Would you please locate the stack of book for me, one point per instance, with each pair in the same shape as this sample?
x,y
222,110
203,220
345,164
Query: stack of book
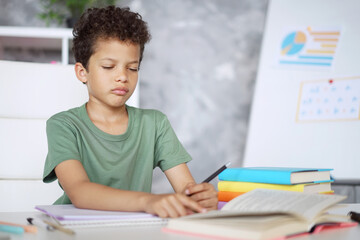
x,y
236,181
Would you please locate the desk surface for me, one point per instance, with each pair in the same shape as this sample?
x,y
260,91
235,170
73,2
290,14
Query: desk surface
x,y
152,232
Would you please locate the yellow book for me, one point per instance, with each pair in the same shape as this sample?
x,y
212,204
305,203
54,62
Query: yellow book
x,y
230,186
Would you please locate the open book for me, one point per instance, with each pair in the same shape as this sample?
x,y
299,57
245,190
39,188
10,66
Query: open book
x,y
72,217
262,214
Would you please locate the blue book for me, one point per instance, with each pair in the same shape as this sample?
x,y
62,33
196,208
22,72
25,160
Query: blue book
x,y
276,175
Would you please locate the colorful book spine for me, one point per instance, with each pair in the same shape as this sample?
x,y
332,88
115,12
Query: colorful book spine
x,y
248,186
236,181
274,175
227,196
221,204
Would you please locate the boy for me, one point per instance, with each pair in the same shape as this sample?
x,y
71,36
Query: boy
x,y
103,153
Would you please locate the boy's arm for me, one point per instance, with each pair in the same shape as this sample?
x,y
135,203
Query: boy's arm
x,y
182,182
85,194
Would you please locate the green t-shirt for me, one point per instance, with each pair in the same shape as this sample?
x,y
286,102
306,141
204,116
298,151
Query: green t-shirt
x,y
123,161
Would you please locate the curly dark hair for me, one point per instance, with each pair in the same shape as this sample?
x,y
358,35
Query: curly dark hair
x,y
106,23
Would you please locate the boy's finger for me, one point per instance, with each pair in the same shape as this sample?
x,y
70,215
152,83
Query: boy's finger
x,y
199,196
178,207
189,211
196,188
209,204
191,204
162,213
170,210
189,185
204,195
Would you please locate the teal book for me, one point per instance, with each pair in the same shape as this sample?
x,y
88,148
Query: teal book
x,y
276,175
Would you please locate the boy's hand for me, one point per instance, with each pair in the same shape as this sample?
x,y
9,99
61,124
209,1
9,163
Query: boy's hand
x,y
203,193
171,205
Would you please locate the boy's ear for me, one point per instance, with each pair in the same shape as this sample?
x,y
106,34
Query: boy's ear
x,y
81,72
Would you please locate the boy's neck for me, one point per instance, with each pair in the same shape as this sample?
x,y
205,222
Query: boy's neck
x,y
110,120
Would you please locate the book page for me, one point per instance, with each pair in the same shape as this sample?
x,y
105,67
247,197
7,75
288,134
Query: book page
x,y
303,205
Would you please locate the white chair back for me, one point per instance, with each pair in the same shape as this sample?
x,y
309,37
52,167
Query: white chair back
x,y
29,94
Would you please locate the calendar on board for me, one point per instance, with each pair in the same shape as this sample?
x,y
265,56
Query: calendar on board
x,y
329,100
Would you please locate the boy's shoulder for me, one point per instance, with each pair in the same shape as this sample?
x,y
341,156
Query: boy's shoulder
x,y
68,114
147,112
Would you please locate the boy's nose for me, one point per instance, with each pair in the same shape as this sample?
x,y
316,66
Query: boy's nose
x,y
121,76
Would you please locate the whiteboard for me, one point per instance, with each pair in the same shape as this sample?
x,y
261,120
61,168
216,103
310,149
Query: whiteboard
x,y
305,110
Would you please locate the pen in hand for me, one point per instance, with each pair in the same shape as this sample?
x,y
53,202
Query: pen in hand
x,y
217,172
211,194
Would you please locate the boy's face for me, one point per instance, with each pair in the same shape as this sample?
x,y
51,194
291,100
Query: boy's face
x,y
112,72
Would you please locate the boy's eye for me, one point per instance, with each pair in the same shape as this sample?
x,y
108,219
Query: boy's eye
x,y
134,69
107,67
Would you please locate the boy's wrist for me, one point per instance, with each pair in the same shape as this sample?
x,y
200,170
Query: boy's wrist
x,y
144,201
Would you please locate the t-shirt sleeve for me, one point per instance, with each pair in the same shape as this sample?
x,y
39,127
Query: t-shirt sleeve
x,y
62,145
169,152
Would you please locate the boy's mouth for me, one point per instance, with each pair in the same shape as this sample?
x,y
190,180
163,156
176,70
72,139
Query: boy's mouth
x,y
121,91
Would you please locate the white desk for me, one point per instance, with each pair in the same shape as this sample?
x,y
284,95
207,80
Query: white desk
x,y
151,232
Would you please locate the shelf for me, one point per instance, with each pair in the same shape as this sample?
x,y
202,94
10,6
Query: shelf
x,y
37,37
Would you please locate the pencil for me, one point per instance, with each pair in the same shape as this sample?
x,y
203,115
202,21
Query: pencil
x,y
212,176
60,228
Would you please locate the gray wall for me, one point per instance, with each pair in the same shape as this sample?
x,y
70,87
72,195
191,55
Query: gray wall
x,y
199,69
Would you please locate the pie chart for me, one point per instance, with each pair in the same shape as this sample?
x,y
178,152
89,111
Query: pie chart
x,y
293,43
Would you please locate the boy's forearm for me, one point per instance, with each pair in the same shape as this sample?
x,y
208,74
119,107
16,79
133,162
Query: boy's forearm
x,y
96,196
180,177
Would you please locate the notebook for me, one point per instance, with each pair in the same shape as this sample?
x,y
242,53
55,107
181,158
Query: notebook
x,y
70,216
